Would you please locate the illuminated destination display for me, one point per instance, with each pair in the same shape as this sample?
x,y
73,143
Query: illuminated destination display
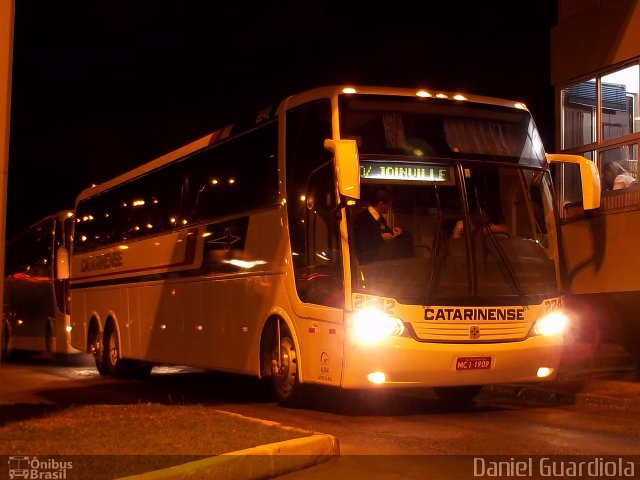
x,y
416,172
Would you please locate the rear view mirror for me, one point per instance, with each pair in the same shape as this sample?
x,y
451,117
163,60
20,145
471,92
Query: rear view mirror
x,y
589,177
347,166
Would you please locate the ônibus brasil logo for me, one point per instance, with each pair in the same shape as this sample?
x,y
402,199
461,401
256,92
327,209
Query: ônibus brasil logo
x,y
35,468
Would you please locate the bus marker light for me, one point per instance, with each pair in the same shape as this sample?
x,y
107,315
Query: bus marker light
x,y
68,328
376,377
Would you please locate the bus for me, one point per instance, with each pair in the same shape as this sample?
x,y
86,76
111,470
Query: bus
x,y
36,290
237,252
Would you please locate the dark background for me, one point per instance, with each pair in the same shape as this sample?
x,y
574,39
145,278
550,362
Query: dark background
x,y
101,87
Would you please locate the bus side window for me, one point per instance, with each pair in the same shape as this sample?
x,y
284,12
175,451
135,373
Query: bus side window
x,y
313,229
323,281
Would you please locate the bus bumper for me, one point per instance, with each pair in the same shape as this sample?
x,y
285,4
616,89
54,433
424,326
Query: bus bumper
x,y
405,362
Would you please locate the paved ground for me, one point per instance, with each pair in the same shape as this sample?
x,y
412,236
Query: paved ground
x,y
604,377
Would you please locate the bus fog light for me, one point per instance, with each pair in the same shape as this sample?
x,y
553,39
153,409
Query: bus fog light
x,y
376,377
370,325
544,372
551,324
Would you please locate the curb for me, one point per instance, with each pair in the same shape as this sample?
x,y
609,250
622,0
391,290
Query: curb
x,y
264,461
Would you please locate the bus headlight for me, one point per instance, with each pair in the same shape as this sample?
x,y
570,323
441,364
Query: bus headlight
x,y
370,325
551,324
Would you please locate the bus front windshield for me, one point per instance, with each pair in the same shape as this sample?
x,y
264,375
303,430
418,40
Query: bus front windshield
x,y
454,226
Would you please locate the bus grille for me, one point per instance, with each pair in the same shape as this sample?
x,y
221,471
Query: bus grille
x,y
469,332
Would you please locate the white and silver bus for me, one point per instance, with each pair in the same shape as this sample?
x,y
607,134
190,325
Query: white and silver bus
x,y
36,289
238,252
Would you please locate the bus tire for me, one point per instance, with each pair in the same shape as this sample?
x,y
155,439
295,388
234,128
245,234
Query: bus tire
x,y
113,363
458,395
96,348
284,371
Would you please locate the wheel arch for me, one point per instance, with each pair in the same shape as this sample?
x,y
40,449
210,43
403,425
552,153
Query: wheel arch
x,y
267,335
95,327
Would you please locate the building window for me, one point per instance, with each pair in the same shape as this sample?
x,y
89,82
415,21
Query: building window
x,y
600,119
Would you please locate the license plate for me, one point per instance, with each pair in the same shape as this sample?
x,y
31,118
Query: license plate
x,y
473,363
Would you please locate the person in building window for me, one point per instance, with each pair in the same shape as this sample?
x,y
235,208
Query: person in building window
x,y
371,228
615,177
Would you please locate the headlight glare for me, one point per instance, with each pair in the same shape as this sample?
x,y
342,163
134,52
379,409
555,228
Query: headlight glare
x,y
551,324
370,325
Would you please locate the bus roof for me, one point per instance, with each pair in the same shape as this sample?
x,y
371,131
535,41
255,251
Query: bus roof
x,y
267,114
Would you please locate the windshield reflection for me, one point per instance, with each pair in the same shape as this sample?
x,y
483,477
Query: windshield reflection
x,y
479,235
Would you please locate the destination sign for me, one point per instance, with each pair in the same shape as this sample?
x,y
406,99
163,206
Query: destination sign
x,y
404,171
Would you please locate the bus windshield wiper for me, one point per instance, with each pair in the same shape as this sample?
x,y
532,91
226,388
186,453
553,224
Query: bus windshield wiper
x,y
506,267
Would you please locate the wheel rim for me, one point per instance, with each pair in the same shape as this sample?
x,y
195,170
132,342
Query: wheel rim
x,y
284,376
113,349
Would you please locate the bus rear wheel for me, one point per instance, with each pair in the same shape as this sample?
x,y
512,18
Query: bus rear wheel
x,y
96,348
284,371
114,364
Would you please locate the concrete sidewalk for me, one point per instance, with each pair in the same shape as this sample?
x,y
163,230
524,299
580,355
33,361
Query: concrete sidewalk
x,y
603,376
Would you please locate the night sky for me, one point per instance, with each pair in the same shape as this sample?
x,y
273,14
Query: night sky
x,y
101,87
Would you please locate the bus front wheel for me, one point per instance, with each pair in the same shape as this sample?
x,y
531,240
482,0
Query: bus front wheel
x,y
284,371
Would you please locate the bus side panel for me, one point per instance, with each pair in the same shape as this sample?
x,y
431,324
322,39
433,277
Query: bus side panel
x,y
223,342
79,320
168,317
321,350
321,335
